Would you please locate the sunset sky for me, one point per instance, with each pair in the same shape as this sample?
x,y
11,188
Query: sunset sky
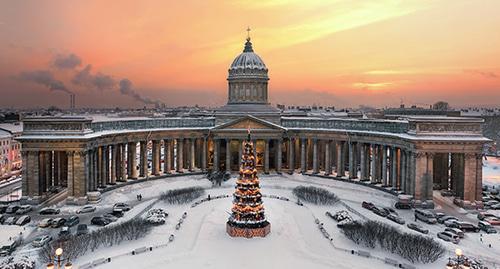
x,y
342,53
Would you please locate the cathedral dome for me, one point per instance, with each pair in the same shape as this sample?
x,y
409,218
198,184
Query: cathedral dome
x,y
247,78
248,62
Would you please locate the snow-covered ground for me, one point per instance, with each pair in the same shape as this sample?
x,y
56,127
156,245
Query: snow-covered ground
x,y
294,242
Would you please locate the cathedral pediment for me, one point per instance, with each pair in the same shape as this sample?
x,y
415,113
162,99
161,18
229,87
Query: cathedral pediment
x,y
249,122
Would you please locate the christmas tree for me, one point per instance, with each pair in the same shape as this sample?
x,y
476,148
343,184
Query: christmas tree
x,y
247,214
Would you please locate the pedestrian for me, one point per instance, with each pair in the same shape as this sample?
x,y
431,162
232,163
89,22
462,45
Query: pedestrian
x,y
209,197
415,218
137,197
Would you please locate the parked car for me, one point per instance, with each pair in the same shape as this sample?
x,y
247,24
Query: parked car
x,y
492,220
10,247
110,217
65,231
45,223
446,218
3,208
117,212
389,210
485,226
495,206
438,215
72,221
367,205
464,226
82,229
10,221
122,206
41,241
417,227
99,221
491,204
23,220
49,211
425,216
379,212
2,218
396,218
86,209
58,222
12,209
482,215
450,237
24,209
456,231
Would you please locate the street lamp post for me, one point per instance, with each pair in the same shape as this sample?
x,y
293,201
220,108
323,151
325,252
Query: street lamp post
x,y
460,262
58,260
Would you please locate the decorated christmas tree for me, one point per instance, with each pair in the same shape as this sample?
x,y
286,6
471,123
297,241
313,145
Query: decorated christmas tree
x,y
247,214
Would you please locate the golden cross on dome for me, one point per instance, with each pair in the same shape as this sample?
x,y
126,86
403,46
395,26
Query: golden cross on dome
x,y
248,32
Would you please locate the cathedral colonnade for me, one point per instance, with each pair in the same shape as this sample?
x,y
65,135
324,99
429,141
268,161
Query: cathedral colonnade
x,y
410,166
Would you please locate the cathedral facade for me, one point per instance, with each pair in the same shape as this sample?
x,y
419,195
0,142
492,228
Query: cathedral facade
x,y
413,156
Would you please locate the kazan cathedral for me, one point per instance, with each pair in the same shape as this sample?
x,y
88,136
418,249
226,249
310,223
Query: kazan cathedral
x,y
85,156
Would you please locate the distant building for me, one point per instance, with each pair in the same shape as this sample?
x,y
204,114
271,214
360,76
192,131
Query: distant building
x,y
10,150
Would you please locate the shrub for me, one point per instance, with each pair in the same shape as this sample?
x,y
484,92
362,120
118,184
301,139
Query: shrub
x,y
315,195
413,247
75,246
182,196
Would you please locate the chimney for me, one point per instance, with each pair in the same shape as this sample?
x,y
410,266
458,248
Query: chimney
x,y
71,101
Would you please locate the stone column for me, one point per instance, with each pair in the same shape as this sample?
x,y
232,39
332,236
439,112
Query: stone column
x,y
403,172
79,179
362,161
95,164
155,166
204,155
412,172
429,177
122,166
106,163
303,167
266,156
70,188
192,163
143,158
352,166
384,166
102,167
88,170
394,167
373,162
113,163
132,160
328,163
279,156
340,159
216,155
228,155
470,174
180,155
167,157
479,179
291,155
315,156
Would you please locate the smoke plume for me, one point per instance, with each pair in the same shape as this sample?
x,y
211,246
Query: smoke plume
x,y
127,89
45,78
70,61
98,81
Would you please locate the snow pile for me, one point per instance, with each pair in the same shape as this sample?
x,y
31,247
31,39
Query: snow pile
x,y
156,216
18,262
